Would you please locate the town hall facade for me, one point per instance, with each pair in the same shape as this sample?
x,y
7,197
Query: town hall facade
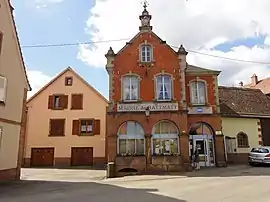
x,y
160,107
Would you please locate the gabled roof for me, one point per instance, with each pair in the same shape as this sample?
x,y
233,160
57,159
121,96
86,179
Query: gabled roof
x,y
263,85
62,73
196,69
243,102
137,35
18,45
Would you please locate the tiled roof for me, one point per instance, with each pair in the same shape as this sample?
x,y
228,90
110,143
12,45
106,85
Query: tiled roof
x,y
263,85
239,101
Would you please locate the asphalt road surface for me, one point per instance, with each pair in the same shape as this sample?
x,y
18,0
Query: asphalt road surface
x,y
233,184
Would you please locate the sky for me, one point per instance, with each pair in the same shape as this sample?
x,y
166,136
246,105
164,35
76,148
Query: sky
x,y
224,28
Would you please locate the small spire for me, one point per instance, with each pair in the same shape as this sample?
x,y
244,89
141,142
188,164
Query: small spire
x,y
145,18
182,50
110,52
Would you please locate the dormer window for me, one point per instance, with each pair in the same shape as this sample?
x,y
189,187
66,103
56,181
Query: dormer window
x,y
146,53
130,88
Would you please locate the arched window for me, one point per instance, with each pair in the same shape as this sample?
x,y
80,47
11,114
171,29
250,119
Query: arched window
x,y
130,88
198,92
242,140
163,87
131,139
165,138
146,53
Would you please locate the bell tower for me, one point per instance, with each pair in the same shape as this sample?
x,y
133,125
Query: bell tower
x,y
145,19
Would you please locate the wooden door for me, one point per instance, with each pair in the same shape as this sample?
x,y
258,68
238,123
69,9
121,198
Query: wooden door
x,y
82,156
42,157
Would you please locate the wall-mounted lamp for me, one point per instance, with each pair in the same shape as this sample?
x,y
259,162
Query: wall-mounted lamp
x,y
147,112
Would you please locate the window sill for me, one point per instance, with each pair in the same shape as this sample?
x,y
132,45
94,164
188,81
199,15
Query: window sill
x,y
170,100
199,105
63,135
164,155
131,155
243,147
60,108
76,108
86,134
130,101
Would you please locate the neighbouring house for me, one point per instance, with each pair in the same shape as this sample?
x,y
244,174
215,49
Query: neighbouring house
x,y
264,86
160,107
242,110
13,91
65,124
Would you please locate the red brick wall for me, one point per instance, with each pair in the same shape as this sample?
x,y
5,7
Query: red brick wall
x,y
165,59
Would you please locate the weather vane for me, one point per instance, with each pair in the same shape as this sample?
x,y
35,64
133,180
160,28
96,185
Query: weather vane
x,y
145,4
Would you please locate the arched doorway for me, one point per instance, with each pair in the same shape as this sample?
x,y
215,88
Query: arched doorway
x,y
201,135
131,140
165,138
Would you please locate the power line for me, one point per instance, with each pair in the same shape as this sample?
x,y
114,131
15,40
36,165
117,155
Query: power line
x,y
117,40
72,44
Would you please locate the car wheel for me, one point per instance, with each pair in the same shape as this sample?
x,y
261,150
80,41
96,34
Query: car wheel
x,y
251,164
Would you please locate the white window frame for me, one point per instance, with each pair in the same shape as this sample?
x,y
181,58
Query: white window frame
x,y
131,137
3,91
163,86
129,78
164,136
195,84
146,53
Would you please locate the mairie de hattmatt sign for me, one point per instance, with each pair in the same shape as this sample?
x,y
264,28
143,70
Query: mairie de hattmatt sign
x,y
139,107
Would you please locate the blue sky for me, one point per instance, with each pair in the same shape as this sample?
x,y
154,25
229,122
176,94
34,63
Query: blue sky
x,y
56,24
65,22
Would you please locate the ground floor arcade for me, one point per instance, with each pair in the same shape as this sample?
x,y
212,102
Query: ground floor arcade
x,y
164,142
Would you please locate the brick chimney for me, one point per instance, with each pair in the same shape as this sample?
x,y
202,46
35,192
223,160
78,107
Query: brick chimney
x,y
254,80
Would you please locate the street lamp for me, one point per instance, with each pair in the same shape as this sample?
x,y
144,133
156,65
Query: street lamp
x,y
147,112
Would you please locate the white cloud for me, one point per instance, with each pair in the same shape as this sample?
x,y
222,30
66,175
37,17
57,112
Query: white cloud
x,y
44,3
198,25
37,80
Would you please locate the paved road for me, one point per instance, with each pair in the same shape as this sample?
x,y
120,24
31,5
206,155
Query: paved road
x,y
235,184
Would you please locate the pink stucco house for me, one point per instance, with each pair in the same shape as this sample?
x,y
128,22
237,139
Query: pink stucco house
x,y
65,124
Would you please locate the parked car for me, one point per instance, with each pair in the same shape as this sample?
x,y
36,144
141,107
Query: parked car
x,y
259,155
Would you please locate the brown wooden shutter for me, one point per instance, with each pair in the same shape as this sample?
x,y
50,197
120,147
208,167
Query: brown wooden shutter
x,y
64,101
75,127
77,101
57,127
50,102
97,127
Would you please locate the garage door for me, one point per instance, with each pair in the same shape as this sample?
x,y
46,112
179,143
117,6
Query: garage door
x,y
82,156
42,157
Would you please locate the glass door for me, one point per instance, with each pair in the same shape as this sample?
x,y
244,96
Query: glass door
x,y
203,148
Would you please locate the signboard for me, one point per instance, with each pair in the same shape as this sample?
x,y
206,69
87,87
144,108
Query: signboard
x,y
140,107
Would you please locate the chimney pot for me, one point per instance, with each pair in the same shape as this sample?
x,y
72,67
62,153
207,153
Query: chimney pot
x,y
254,80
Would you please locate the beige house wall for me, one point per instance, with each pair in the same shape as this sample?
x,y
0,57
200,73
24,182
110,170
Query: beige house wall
x,y
39,115
12,68
232,126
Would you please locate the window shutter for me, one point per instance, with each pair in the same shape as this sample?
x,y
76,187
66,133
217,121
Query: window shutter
x,y
50,102
57,127
77,101
97,127
64,101
76,127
